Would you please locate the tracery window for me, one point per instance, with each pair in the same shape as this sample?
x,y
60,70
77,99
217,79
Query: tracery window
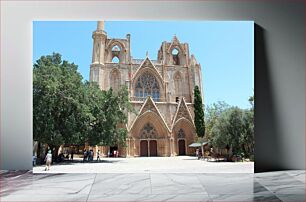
x,y
147,85
148,131
115,59
181,134
116,48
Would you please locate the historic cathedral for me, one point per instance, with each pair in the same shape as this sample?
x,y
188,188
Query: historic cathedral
x,y
160,90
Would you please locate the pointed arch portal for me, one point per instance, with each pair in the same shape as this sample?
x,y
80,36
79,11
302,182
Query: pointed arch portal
x,y
148,144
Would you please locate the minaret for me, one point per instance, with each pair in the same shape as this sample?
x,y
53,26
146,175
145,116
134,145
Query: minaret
x,y
99,38
98,54
100,26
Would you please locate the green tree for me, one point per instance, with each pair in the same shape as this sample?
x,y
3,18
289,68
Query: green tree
x,y
110,111
58,115
212,113
67,110
247,139
247,136
227,129
198,113
232,128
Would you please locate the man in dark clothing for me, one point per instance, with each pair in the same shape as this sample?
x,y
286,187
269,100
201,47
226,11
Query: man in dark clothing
x,y
85,155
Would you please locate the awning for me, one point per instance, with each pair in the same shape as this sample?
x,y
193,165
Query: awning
x,y
197,144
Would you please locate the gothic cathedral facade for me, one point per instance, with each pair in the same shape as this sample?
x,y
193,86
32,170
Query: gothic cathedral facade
x,y
160,90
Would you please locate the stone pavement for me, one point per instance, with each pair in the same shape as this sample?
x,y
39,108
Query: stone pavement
x,y
273,186
178,164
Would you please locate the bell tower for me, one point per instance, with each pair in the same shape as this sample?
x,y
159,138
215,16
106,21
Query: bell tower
x,y
98,53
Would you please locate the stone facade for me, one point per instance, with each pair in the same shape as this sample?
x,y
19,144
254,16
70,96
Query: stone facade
x,y
160,90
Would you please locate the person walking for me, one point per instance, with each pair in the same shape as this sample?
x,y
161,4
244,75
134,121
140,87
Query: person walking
x,y
98,155
48,160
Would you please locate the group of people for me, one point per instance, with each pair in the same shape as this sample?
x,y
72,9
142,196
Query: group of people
x,y
63,157
89,155
115,153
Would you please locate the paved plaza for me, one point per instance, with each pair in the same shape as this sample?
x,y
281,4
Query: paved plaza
x,y
275,186
155,179
178,164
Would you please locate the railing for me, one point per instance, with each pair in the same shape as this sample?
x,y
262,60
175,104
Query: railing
x,y
139,61
142,99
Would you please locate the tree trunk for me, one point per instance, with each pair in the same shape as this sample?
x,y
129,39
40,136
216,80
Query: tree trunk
x,y
38,157
56,148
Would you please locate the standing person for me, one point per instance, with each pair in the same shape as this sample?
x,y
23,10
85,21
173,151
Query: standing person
x,y
48,160
88,155
71,157
84,155
92,155
114,153
34,160
98,155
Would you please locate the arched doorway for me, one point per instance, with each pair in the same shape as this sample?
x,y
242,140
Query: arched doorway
x,y
153,147
143,148
148,146
182,148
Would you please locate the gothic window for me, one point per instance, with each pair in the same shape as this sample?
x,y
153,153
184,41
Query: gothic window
x,y
175,56
147,85
115,59
148,131
115,79
178,84
181,134
116,48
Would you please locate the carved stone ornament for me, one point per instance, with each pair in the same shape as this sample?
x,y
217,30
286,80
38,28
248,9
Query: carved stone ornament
x,y
148,132
181,134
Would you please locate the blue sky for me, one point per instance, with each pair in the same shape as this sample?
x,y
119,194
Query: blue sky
x,y
225,49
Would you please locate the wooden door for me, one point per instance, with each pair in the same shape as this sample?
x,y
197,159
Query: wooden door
x,y
182,148
143,148
153,148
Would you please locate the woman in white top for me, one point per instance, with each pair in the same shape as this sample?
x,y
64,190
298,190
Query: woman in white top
x,y
48,160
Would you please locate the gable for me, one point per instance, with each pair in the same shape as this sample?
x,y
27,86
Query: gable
x,y
176,44
147,63
182,112
149,106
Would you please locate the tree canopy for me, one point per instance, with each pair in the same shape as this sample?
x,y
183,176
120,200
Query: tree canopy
x,y
67,110
231,128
